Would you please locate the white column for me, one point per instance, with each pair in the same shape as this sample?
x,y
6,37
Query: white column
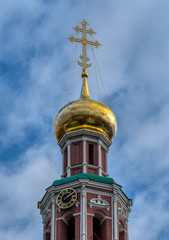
x,y
115,216
83,225
53,222
68,160
100,159
84,155
62,163
127,225
112,217
43,220
106,170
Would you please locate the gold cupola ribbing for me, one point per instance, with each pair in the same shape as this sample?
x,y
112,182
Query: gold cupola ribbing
x,y
85,112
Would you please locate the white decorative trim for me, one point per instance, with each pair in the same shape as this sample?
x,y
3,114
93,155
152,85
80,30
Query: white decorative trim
x,y
83,228
55,221
77,204
100,159
90,214
63,219
46,215
63,163
87,165
108,218
99,202
115,216
76,214
81,132
58,208
68,160
106,169
112,209
84,155
99,188
48,229
53,199
70,141
127,213
122,214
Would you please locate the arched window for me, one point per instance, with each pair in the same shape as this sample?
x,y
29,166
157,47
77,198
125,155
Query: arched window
x,y
97,225
47,236
69,221
71,229
96,229
121,231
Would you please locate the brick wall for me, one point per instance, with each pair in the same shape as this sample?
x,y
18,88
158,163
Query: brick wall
x,y
61,233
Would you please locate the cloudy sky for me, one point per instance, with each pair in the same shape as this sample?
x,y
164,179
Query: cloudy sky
x,y
35,58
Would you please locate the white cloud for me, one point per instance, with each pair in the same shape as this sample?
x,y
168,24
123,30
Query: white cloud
x,y
134,66
150,217
22,186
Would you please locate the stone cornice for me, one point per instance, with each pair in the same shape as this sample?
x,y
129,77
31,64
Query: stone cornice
x,y
91,187
83,132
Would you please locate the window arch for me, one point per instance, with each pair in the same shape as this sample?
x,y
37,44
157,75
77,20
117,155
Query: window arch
x,y
97,225
69,219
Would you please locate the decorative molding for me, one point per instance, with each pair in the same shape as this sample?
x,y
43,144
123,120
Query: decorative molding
x,y
77,204
68,160
100,159
46,215
122,214
53,198
99,189
59,210
99,202
83,132
115,215
76,214
83,227
90,214
48,229
53,217
84,154
112,214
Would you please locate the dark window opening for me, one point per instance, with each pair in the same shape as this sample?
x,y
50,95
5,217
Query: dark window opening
x,y
96,229
121,235
71,230
47,236
91,155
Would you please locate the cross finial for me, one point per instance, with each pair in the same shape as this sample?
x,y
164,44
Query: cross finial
x,y
84,41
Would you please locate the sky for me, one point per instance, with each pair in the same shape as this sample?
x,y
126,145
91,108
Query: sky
x,y
35,81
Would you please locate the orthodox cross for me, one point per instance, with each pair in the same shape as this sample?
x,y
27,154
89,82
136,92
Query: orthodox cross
x,y
84,42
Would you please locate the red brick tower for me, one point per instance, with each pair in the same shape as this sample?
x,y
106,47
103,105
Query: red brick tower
x,y
85,204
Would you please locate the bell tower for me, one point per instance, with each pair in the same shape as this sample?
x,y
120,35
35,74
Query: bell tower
x,y
85,204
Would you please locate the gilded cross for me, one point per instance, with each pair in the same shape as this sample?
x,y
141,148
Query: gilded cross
x,y
84,41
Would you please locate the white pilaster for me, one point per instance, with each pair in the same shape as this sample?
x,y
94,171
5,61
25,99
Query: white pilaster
x,y
100,159
84,155
127,225
63,163
43,220
106,170
53,222
112,216
83,225
68,160
115,216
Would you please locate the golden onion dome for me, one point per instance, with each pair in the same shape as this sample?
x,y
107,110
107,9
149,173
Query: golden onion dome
x,y
85,113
